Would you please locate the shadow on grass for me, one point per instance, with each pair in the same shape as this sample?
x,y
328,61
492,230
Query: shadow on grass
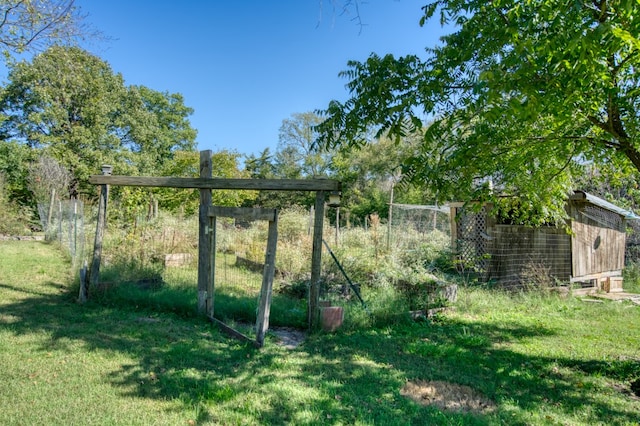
x,y
181,300
331,379
463,354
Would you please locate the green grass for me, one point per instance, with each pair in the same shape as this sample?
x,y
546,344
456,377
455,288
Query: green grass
x,y
542,360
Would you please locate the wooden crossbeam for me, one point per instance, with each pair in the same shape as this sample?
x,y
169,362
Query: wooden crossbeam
x,y
219,183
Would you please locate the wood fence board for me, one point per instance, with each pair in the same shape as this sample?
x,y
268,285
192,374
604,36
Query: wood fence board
x,y
217,183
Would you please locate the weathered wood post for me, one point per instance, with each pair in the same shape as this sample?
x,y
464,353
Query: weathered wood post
x,y
316,261
94,272
204,247
262,322
52,200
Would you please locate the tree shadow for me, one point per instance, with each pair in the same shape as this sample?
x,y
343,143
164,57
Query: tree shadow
x,y
343,377
475,355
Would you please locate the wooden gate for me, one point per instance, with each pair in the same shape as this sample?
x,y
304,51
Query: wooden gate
x,y
205,183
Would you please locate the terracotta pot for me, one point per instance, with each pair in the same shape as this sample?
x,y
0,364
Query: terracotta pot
x,y
332,318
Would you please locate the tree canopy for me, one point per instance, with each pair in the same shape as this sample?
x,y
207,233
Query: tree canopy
x,y
520,95
70,105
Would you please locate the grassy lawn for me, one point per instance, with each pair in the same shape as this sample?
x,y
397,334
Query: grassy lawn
x,y
539,360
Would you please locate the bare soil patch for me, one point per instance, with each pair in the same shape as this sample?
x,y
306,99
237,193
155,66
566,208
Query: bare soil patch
x,y
288,337
447,396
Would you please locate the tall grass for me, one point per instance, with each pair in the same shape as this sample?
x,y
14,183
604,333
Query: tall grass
x,y
391,280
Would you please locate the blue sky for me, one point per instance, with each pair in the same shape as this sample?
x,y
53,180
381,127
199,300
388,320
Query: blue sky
x,y
244,66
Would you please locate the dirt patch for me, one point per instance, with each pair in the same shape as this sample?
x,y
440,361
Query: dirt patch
x,y
447,396
290,338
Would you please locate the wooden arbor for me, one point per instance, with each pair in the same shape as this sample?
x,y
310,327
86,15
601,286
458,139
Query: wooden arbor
x,y
205,183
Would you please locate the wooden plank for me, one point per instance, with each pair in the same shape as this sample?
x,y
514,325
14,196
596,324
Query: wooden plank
x,y
204,247
217,183
316,261
232,332
264,309
596,276
243,213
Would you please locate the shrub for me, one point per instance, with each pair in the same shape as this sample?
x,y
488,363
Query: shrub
x,y
631,275
14,220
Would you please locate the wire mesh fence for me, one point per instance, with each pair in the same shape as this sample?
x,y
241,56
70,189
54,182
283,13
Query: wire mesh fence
x,y
411,226
64,221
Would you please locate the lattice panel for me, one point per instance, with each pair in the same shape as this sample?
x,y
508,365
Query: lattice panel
x,y
472,239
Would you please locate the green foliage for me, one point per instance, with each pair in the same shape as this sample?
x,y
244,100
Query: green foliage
x,y
225,164
631,274
14,162
521,92
297,156
368,176
69,105
434,255
540,360
14,220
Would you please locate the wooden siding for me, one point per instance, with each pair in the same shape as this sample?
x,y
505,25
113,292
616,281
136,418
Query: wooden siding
x,y
507,254
597,245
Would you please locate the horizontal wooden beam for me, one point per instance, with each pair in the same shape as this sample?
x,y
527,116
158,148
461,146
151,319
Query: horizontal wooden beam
x,y
243,213
218,183
233,332
596,276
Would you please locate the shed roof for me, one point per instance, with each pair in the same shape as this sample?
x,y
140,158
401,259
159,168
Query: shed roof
x,y
585,196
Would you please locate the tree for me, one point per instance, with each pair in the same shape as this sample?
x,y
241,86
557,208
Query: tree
x,y
261,166
225,164
157,126
368,176
32,25
71,104
297,156
522,95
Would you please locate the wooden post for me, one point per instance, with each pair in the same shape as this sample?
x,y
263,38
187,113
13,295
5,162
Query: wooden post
x,y
262,322
59,234
50,214
204,256
316,261
94,273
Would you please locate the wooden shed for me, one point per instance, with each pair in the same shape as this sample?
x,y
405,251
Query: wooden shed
x,y
591,256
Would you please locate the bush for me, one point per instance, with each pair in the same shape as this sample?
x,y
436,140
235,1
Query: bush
x,y
392,283
631,275
14,220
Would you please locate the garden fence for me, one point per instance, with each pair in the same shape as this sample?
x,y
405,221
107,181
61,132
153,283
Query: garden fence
x,y
63,221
